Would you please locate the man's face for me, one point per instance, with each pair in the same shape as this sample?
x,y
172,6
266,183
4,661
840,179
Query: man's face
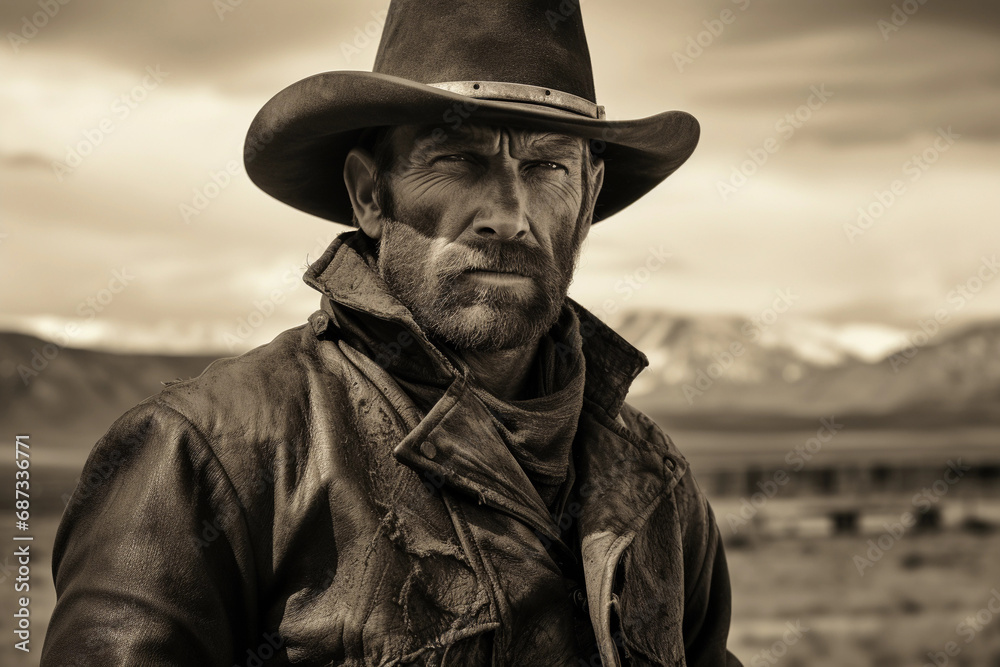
x,y
486,229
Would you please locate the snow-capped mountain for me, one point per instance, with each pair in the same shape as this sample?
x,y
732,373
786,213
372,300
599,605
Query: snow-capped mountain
x,y
729,367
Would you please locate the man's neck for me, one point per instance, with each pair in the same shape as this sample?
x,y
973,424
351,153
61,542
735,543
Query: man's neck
x,y
504,373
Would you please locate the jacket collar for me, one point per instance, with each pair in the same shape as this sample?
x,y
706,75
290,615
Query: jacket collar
x,y
379,325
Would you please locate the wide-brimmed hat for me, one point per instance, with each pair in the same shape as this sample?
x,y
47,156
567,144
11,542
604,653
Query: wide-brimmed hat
x,y
443,63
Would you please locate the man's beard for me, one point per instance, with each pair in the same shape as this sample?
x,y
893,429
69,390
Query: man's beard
x,y
465,313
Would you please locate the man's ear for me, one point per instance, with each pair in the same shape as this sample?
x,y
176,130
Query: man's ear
x,y
359,177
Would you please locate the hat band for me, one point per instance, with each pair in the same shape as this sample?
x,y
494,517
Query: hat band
x,y
520,92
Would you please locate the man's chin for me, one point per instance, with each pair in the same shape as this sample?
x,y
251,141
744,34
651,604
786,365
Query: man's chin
x,y
481,293
485,328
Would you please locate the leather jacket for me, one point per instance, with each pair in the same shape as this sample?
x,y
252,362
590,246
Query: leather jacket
x,y
292,506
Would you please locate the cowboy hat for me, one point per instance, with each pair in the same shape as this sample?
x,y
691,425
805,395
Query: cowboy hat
x,y
441,63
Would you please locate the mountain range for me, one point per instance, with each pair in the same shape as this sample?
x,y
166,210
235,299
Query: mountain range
x,y
705,373
717,373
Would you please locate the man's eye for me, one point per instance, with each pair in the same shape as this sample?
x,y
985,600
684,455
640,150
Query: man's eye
x,y
452,158
546,165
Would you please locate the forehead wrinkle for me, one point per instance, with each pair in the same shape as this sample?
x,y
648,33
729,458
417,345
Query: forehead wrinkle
x,y
467,136
492,138
552,144
552,139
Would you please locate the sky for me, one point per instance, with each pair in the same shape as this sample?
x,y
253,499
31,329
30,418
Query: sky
x,y
848,166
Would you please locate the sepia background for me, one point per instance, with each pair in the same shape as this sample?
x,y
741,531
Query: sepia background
x,y
817,288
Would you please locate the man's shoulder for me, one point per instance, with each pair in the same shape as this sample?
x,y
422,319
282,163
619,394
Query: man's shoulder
x,y
253,400
687,493
246,413
642,425
264,377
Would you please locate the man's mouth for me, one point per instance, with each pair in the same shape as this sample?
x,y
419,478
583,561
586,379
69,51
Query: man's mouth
x,y
496,277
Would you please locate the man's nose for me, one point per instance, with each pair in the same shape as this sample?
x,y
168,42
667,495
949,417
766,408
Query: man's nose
x,y
503,214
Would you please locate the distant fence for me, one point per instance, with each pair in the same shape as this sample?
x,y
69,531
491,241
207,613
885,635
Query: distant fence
x,y
855,498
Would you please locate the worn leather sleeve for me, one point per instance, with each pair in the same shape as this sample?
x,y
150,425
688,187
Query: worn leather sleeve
x,y
708,595
150,562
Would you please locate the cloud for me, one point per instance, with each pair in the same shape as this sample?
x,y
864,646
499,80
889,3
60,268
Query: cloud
x,y
783,228
23,161
879,92
229,45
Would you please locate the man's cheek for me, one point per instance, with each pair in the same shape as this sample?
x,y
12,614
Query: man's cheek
x,y
561,198
426,203
417,221
555,220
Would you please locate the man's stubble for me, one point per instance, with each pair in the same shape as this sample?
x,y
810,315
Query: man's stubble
x,y
463,314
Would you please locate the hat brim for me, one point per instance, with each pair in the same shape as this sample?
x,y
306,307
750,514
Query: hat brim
x,y
296,145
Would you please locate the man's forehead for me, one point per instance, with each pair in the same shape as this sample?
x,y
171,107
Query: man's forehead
x,y
424,138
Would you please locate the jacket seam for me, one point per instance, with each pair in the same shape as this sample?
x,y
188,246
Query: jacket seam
x,y
206,445
675,456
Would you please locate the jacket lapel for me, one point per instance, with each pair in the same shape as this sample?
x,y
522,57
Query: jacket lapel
x,y
457,444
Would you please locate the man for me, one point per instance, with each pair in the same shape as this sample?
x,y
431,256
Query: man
x,y
439,468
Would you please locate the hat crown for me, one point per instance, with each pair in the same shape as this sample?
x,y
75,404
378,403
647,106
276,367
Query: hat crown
x,y
533,42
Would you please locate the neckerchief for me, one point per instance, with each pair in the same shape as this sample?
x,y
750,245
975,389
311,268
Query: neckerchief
x,y
539,431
